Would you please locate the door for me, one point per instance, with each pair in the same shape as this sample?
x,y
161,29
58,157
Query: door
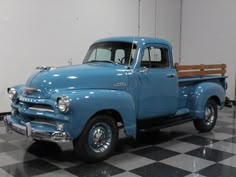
x,y
158,86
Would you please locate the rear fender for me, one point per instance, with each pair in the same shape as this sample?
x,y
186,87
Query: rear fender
x,y
201,93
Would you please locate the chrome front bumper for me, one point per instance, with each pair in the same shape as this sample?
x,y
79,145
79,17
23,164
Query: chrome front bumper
x,y
29,131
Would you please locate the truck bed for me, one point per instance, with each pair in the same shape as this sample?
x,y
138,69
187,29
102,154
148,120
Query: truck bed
x,y
191,76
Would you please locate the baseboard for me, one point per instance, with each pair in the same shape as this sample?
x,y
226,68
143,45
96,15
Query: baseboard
x,y
2,114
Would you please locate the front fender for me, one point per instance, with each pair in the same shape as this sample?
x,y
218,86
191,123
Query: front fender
x,y
19,88
199,95
85,103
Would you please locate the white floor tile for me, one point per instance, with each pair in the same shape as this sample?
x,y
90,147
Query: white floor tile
x,y
128,161
187,162
216,135
178,146
195,175
8,158
58,173
223,146
4,173
126,174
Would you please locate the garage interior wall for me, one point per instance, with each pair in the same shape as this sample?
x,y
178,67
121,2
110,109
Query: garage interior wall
x,y
208,35
36,33
49,33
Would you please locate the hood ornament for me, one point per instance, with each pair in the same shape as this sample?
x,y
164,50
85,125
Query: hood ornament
x,y
45,68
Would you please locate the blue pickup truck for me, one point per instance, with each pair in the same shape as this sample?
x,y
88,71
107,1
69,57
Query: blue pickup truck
x,y
128,82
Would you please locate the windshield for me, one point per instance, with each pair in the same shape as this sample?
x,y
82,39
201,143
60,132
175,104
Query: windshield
x,y
114,52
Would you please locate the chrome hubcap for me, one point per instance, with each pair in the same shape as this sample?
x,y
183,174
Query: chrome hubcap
x,y
100,137
209,115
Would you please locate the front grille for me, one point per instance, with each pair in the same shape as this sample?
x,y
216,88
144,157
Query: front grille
x,y
37,107
42,121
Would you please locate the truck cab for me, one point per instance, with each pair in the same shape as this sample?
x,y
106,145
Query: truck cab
x,y
128,81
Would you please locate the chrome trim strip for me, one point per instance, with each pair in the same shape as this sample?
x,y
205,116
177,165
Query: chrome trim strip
x,y
32,89
28,129
41,109
46,123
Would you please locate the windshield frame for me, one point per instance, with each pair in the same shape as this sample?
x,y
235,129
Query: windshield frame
x,y
130,52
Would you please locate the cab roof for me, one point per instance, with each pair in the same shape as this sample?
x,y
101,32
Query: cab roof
x,y
139,40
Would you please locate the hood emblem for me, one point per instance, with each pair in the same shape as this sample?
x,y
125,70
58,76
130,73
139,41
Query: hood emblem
x,y
45,68
29,91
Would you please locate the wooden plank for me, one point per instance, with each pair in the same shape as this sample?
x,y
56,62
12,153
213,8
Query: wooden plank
x,y
200,73
190,73
195,67
188,67
223,66
215,72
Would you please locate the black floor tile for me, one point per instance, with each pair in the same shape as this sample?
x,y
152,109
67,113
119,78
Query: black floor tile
x,y
95,170
155,153
29,168
157,137
5,147
198,140
218,170
160,170
210,154
44,149
227,130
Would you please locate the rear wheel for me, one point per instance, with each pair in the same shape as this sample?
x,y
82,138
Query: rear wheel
x,y
208,122
98,140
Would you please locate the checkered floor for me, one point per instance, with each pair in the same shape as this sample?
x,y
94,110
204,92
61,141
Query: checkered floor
x,y
179,151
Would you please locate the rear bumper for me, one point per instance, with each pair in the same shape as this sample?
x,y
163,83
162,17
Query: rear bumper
x,y
30,130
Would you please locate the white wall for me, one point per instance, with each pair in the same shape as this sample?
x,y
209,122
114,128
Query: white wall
x,y
168,23
209,35
43,32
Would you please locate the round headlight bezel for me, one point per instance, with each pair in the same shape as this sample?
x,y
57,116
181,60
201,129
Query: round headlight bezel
x,y
11,93
63,104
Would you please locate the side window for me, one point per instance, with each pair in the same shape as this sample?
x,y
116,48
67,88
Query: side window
x,y
155,54
155,58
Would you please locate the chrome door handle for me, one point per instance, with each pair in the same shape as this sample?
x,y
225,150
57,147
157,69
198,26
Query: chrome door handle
x,y
170,75
143,70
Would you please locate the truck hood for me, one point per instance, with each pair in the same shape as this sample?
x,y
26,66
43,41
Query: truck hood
x,y
85,76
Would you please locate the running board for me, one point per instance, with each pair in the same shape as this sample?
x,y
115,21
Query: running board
x,y
160,123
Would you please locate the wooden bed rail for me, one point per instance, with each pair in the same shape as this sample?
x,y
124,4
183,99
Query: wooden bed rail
x,y
200,70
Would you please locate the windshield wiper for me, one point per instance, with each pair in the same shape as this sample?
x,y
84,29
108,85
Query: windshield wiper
x,y
106,61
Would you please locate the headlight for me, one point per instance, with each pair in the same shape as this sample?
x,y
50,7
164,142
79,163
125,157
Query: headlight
x,y
63,104
11,93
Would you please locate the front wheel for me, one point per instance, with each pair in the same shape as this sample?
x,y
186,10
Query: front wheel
x,y
98,140
208,122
